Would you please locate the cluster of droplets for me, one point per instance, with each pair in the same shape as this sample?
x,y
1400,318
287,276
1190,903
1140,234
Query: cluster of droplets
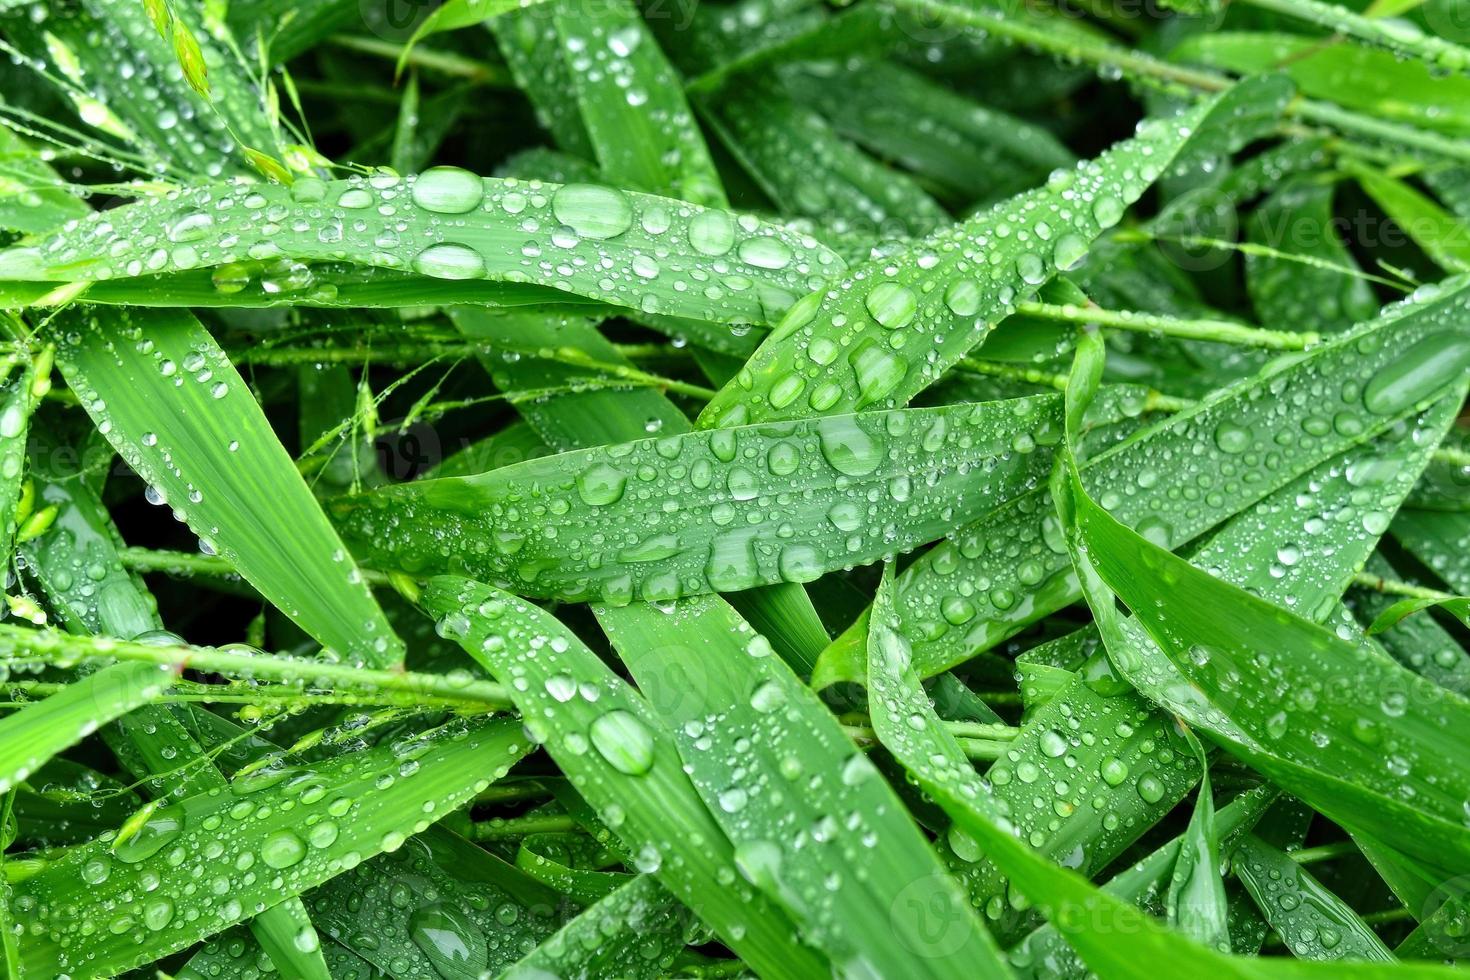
x,y
900,321
721,510
1012,567
653,254
431,904
271,831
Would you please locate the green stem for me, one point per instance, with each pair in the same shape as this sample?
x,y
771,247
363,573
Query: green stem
x,y
980,749
1452,456
501,828
1437,51
1215,331
421,57
58,648
1393,587
1071,46
1324,852
1154,401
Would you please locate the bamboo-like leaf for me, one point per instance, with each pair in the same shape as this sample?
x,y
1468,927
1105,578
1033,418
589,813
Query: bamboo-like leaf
x,y
437,904
889,328
634,932
289,830
748,731
808,169
1445,237
978,152
124,78
33,734
159,387
1195,901
712,511
1367,378
1383,712
1298,219
1314,923
606,738
1352,75
1131,943
640,128
631,250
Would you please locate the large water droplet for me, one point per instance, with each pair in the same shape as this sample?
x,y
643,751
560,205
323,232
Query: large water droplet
x,y
623,741
592,211
448,190
454,945
448,260
1417,373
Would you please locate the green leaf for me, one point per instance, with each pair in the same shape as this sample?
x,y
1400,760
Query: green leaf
x,y
765,755
808,169
640,128
171,403
1444,237
1373,81
1195,900
978,153
33,734
436,904
601,243
887,330
1314,923
1380,728
85,47
1127,943
305,825
634,932
1019,548
606,738
1298,218
712,511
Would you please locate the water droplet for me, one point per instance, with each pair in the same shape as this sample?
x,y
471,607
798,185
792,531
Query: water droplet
x,y
592,211
454,945
448,190
448,260
282,849
623,741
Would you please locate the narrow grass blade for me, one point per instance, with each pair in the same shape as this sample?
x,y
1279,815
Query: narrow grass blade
x,y
713,511
159,387
1045,953
754,740
976,153
607,739
573,420
1347,780
305,826
34,198
627,249
1403,39
1195,900
85,47
634,932
1372,81
849,346
1298,218
80,574
35,733
641,128
1437,539
436,906
1443,236
808,169
1314,923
